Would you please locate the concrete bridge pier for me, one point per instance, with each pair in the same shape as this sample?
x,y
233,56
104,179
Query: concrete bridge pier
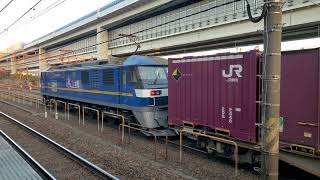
x,y
43,64
13,64
102,44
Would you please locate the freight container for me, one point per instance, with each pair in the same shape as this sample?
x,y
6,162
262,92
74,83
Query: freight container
x,y
300,100
220,94
217,93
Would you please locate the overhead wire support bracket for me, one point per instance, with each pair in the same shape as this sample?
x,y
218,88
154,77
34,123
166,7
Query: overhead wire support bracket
x,y
256,19
133,39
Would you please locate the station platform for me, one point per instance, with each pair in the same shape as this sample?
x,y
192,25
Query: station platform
x,y
12,164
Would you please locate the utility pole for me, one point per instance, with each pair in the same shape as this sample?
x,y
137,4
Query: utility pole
x,y
271,71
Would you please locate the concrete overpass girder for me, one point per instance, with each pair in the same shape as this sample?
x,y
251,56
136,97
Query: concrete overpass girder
x,y
226,31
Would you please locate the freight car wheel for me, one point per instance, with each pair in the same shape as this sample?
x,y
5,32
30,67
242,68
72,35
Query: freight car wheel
x,y
256,162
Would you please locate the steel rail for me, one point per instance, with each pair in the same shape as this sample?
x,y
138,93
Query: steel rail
x,y
41,171
85,163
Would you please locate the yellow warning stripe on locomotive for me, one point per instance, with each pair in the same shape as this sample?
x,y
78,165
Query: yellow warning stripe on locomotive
x,y
90,91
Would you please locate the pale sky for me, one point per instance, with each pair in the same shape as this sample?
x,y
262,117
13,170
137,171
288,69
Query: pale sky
x,y
66,12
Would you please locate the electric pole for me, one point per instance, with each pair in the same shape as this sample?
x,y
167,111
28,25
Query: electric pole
x,y
271,71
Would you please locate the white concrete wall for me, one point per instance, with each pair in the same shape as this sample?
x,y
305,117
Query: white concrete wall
x,y
206,26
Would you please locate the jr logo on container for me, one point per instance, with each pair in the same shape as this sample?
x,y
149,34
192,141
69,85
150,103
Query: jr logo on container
x,y
234,73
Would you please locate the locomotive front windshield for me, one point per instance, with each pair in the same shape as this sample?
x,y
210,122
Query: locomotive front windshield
x,y
149,77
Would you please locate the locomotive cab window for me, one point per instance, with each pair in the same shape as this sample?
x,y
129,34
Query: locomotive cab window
x,y
133,74
149,77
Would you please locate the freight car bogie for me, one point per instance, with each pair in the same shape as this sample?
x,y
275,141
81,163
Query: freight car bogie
x,y
220,144
219,148
301,149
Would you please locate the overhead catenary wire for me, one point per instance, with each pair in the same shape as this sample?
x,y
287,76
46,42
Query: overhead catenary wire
x,y
30,62
20,17
6,6
72,51
46,10
42,12
57,56
153,27
90,35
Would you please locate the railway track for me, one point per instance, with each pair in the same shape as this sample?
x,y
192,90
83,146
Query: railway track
x,y
61,162
173,143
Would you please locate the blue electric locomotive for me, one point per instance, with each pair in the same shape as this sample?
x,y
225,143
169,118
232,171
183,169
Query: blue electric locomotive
x,y
137,88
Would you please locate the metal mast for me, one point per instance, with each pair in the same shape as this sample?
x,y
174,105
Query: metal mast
x,y
271,71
